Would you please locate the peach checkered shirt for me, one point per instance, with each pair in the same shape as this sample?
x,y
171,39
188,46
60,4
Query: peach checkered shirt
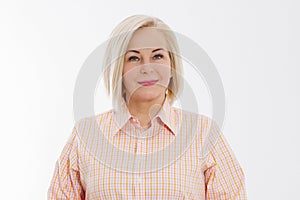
x,y
182,155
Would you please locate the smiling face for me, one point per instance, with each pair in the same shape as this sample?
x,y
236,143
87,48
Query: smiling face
x,y
147,66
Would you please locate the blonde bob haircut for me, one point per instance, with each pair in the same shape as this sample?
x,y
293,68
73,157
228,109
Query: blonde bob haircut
x,y
116,49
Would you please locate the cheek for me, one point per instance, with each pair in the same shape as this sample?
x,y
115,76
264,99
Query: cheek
x,y
126,79
126,68
164,71
129,77
165,75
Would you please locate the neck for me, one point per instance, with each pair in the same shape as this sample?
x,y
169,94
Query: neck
x,y
144,111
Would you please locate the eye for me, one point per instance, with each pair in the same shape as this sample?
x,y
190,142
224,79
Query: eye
x,y
158,56
133,58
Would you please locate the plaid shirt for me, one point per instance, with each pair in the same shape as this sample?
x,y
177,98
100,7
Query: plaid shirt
x,y
182,155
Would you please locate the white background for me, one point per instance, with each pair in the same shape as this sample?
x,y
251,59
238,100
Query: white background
x,y
254,45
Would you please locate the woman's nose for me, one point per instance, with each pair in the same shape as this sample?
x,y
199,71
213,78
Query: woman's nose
x,y
146,68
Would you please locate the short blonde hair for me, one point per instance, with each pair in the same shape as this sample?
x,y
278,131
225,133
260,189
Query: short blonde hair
x,y
117,46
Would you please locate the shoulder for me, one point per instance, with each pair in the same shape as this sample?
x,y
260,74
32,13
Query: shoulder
x,y
93,123
96,118
201,120
206,128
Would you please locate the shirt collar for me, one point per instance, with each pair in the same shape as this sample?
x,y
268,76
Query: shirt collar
x,y
166,114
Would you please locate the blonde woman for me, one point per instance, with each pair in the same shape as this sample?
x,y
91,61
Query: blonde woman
x,y
144,148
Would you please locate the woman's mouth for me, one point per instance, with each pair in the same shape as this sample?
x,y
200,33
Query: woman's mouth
x,y
148,83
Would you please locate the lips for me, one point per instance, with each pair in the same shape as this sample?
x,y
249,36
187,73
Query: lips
x,y
148,83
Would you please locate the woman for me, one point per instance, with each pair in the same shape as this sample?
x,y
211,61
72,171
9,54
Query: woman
x,y
144,148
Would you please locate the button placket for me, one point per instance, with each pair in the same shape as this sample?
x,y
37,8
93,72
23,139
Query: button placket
x,y
140,143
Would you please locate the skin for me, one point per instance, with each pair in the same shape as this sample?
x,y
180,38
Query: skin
x,y
146,59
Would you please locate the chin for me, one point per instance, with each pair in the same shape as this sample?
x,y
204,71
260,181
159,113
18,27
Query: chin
x,y
146,95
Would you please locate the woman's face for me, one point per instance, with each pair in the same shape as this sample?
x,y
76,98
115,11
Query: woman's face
x,y
147,68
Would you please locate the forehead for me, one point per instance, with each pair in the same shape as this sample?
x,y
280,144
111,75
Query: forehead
x,y
147,37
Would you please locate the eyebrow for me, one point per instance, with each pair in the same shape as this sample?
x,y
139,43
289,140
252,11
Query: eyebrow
x,y
135,51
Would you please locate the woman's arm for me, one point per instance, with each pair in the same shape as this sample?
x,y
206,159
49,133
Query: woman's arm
x,y
65,183
224,176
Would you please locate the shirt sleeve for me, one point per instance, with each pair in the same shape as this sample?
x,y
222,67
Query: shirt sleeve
x,y
66,183
224,177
